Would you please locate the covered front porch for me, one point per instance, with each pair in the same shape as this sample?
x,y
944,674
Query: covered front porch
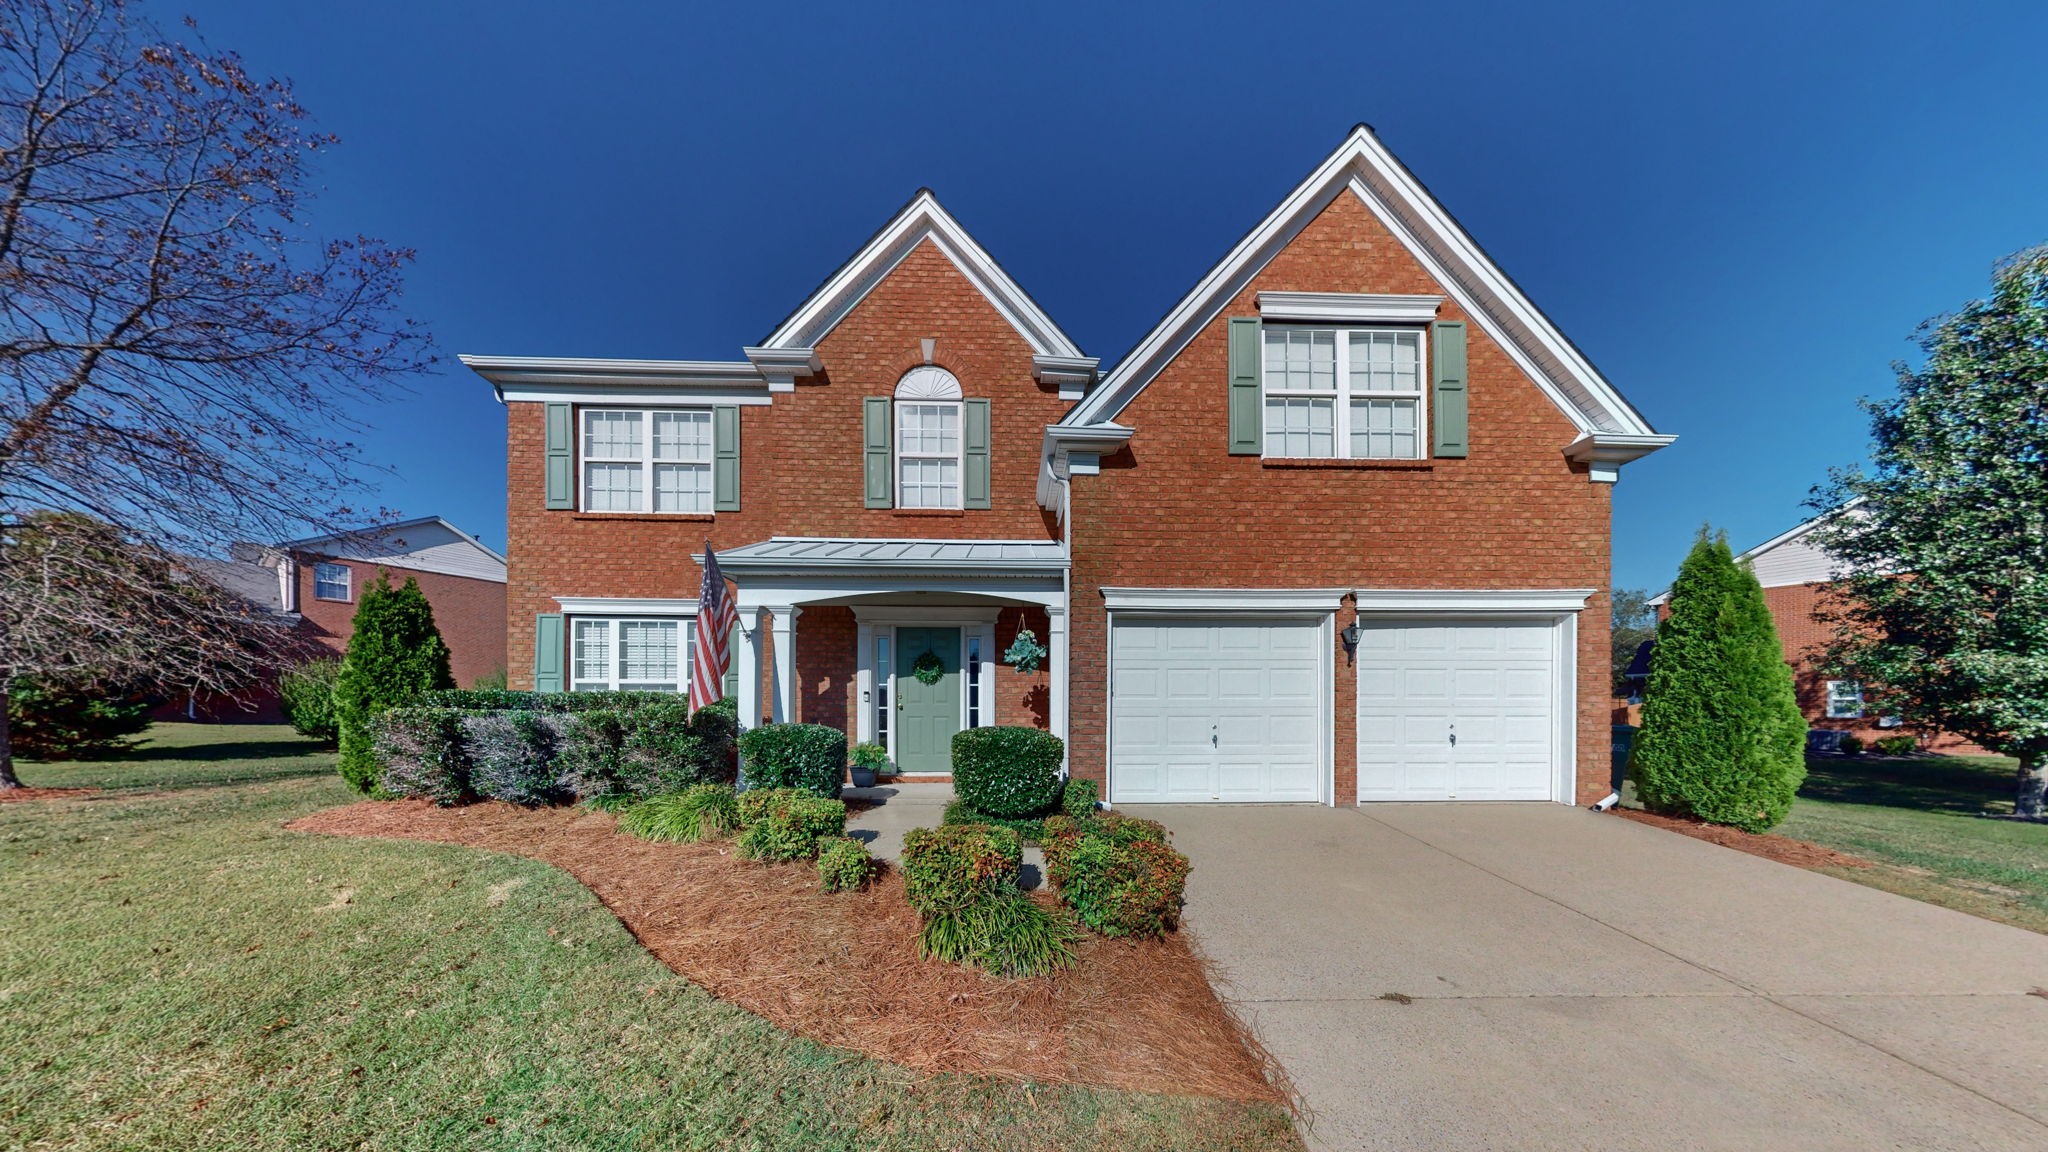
x,y
899,642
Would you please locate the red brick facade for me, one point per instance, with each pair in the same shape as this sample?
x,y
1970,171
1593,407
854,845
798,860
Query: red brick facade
x,y
1175,509
1804,638
469,612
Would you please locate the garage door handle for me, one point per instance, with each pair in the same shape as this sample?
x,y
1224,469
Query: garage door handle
x,y
1454,739
1212,737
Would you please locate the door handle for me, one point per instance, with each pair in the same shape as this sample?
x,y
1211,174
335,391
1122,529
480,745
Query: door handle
x,y
1454,739
1212,737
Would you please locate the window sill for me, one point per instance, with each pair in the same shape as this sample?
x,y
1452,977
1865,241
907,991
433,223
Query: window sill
x,y
332,599
943,513
654,517
1351,465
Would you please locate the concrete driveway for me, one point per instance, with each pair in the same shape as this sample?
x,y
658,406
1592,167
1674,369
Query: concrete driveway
x,y
1580,981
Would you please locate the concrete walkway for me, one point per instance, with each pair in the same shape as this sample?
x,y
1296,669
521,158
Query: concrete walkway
x,y
1577,981
897,808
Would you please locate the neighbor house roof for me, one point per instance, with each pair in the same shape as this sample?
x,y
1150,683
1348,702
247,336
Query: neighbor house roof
x,y
426,544
1787,558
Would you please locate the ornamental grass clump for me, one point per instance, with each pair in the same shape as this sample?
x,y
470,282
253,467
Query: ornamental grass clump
x,y
807,756
962,879
843,864
1011,773
699,812
782,824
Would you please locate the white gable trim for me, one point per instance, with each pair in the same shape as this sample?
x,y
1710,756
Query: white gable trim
x,y
1364,166
1348,307
922,219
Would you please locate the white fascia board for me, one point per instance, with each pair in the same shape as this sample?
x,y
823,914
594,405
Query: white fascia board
x,y
920,220
1361,154
1224,601
1348,307
1469,601
592,381
1062,446
625,606
1606,452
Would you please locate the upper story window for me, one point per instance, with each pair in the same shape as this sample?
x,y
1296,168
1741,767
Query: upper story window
x,y
330,582
1845,700
928,439
646,460
625,655
1343,393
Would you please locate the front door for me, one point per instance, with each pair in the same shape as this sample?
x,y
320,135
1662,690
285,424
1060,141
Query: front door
x,y
927,715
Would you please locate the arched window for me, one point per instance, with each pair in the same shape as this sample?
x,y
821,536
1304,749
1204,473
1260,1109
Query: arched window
x,y
928,440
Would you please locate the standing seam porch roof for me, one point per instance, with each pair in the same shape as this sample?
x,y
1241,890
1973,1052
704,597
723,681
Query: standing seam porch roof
x,y
853,552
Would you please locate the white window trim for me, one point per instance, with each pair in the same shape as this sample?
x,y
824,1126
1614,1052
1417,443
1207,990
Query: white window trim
x,y
645,459
883,620
348,584
1829,701
685,629
958,455
1343,396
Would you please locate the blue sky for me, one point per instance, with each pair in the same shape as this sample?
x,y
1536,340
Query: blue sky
x,y
1740,212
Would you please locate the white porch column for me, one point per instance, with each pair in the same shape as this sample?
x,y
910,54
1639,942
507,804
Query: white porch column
x,y
1056,639
747,660
784,623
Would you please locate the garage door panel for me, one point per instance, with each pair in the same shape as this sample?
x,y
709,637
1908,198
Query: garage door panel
x,y
1241,714
1492,683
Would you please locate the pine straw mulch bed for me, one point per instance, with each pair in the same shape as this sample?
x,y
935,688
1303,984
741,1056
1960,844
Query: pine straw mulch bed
x,y
1784,850
843,969
22,795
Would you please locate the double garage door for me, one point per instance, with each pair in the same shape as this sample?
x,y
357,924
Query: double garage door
x,y
1240,710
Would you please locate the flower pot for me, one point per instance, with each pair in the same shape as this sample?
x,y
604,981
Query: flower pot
x,y
862,777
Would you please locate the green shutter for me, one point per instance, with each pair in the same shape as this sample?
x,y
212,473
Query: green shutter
x,y
547,652
1449,399
876,412
1245,433
725,459
974,485
561,464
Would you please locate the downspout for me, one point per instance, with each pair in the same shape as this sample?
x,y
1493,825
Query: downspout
x,y
1067,635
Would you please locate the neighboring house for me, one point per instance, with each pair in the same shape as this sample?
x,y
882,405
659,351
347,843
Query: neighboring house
x,y
318,581
1336,530
1796,575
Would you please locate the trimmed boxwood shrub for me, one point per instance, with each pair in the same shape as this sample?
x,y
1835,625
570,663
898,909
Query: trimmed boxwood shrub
x,y
807,756
699,812
1008,772
786,823
419,754
843,864
947,869
512,757
1009,934
1079,798
1132,889
647,748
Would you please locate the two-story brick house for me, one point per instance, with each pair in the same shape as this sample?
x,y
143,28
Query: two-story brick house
x,y
1335,530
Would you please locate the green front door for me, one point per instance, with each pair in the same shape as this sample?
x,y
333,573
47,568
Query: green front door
x,y
927,715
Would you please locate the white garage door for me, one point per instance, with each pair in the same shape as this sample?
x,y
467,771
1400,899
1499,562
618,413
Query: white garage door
x,y
1205,710
1452,710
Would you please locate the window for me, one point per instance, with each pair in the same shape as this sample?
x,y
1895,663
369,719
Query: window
x,y
626,655
928,455
974,681
1845,700
883,671
641,461
330,581
1353,393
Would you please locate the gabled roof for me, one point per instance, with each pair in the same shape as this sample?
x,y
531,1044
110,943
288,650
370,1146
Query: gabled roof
x,y
442,547
1802,563
1363,167
920,220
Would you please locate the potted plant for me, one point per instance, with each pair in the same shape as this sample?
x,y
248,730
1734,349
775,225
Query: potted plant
x,y
865,761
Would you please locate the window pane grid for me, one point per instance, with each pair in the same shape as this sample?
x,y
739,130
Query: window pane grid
x,y
928,455
635,461
1355,393
619,655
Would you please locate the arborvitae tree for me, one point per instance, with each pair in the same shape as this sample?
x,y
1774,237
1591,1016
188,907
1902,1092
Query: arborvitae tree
x,y
395,654
1723,738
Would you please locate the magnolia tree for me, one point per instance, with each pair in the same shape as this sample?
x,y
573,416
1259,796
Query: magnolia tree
x,y
180,356
1941,608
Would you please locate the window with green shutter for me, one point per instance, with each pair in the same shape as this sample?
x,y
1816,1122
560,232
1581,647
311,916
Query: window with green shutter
x,y
974,491
1245,434
1452,435
560,456
876,444
547,652
725,459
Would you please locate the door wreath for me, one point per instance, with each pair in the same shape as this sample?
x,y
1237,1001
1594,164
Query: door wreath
x,y
928,668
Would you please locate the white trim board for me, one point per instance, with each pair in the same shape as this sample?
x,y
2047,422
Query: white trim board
x,y
1219,601
1348,307
1461,601
624,606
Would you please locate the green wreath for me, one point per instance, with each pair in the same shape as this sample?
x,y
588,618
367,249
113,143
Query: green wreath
x,y
928,668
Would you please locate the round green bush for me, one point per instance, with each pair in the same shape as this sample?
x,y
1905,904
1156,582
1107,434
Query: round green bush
x,y
1079,797
1008,772
306,697
807,756
945,869
786,823
844,864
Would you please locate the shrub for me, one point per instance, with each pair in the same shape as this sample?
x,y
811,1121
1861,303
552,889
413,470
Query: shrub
x,y
1009,772
1850,745
306,696
646,748
1128,889
49,721
394,655
1898,745
949,868
807,756
873,757
1063,834
699,812
1079,797
961,812
786,823
492,681
844,864
1722,737
419,754
1008,934
512,757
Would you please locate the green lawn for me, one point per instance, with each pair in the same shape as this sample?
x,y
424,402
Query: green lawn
x,y
178,971
1930,824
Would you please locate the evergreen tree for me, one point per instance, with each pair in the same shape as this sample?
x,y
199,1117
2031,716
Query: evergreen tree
x,y
1941,609
395,654
1722,738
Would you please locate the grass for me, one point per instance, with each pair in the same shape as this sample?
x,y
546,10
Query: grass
x,y
1932,826
177,970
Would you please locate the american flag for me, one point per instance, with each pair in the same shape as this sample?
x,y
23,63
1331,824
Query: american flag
x,y
710,656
